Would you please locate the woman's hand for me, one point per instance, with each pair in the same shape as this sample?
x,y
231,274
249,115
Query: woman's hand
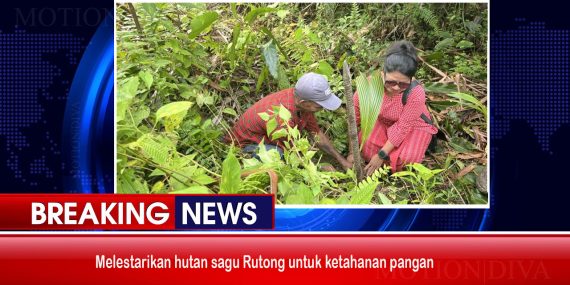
x,y
350,158
375,163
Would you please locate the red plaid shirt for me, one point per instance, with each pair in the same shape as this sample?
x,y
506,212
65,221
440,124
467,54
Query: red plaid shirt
x,y
398,119
251,129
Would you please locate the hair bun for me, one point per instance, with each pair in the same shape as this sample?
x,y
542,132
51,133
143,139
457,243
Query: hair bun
x,y
401,56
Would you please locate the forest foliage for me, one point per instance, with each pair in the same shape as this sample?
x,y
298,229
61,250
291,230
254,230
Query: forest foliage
x,y
187,71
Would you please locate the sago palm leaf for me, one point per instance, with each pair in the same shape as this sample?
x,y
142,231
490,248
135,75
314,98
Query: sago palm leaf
x,y
370,95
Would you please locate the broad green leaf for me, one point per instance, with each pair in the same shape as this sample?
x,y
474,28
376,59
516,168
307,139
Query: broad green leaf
x,y
464,44
343,200
461,145
255,12
271,126
424,172
272,37
161,62
282,13
157,172
434,56
446,43
128,183
307,56
173,108
284,114
122,106
385,200
189,171
271,58
202,22
279,134
437,87
284,187
157,187
473,26
302,195
146,78
295,134
328,201
441,105
283,81
325,68
370,96
231,174
187,94
471,101
129,89
173,113
264,116
420,168
140,114
196,189
403,174
230,111
429,198
261,78
204,99
444,34
203,179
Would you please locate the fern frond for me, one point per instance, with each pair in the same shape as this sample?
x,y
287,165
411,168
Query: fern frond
x,y
354,11
154,151
427,16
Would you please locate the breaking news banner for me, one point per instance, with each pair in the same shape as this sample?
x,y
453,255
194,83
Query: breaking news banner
x,y
395,143
135,212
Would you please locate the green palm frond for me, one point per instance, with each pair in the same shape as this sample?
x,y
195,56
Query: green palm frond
x,y
370,96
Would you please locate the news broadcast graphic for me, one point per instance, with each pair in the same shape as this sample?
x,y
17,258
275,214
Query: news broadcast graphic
x,y
157,142
284,259
178,88
134,212
57,97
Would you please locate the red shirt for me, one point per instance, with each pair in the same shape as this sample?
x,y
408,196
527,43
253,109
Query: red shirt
x,y
251,129
399,119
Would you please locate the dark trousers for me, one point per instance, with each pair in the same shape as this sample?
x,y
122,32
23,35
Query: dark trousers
x,y
252,149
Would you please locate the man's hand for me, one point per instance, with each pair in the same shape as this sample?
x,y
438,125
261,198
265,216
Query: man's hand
x,y
328,168
324,143
375,163
347,164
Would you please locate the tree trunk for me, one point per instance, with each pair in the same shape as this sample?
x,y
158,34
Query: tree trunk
x,y
352,130
135,17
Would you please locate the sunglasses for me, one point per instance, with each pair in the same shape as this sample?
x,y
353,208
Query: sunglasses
x,y
393,83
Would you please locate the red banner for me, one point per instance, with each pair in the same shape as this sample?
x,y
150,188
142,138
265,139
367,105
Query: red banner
x,y
284,259
136,212
85,212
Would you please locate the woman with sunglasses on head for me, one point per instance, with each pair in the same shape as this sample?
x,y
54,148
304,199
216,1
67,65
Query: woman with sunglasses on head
x,y
403,130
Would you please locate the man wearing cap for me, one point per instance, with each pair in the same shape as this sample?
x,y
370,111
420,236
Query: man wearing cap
x,y
311,94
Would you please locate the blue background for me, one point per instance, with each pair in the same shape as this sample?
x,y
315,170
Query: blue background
x,y
56,125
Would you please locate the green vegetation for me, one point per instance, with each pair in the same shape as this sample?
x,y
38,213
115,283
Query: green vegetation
x,y
187,71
